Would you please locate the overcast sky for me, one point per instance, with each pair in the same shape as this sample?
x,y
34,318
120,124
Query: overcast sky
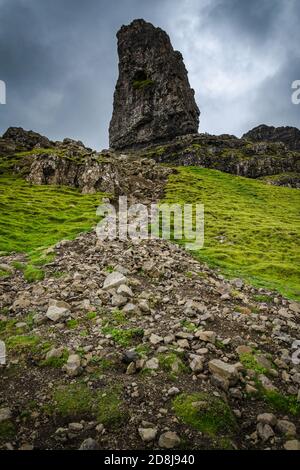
x,y
59,61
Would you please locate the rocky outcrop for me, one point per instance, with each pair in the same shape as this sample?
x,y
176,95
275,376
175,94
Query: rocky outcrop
x,y
290,136
71,164
153,100
22,139
290,180
227,153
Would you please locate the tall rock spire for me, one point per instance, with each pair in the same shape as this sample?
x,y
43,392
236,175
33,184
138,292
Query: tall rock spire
x,y
153,100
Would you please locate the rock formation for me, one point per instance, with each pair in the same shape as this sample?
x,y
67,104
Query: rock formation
x,y
229,154
25,139
290,136
153,100
70,163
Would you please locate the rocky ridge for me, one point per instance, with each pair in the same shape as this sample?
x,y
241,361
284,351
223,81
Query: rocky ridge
x,y
70,163
290,136
232,155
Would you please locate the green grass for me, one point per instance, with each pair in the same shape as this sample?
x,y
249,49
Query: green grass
x,y
259,224
204,413
263,298
34,218
32,274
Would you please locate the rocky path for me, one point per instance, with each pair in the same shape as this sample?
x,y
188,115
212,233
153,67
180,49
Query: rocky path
x,y
134,346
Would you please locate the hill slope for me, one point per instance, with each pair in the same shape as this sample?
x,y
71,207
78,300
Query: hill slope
x,y
252,230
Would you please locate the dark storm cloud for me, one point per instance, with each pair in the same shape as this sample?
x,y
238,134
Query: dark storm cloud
x,y
59,61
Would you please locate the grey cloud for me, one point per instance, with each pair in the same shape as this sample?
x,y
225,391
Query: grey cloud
x,y
59,61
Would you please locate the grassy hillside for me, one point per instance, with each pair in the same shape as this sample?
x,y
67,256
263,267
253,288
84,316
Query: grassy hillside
x,y
34,218
252,230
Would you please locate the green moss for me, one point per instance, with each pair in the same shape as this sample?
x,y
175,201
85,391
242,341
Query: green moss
x,y
7,327
29,319
123,337
91,315
142,84
284,403
249,361
31,272
78,400
143,349
7,431
55,362
22,342
119,317
172,363
59,274
259,226
73,400
205,413
189,326
4,274
110,411
34,218
158,151
194,147
72,324
109,269
37,151
101,363
219,344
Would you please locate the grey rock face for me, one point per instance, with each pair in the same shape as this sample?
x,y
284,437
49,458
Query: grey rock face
x,y
26,139
153,100
231,155
290,136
